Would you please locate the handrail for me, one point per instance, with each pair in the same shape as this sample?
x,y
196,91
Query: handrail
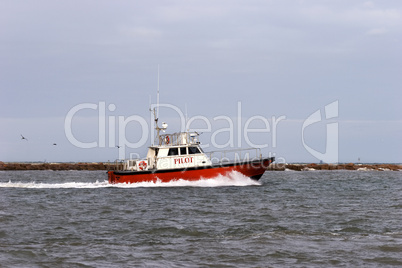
x,y
120,164
177,139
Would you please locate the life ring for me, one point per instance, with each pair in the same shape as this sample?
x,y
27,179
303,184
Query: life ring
x,y
142,165
167,140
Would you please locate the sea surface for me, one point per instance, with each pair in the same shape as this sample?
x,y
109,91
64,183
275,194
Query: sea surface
x,y
287,219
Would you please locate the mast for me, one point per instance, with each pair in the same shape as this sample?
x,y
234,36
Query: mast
x,y
157,111
186,118
157,97
156,116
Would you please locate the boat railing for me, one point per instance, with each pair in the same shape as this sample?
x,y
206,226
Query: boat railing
x,y
175,139
234,155
122,164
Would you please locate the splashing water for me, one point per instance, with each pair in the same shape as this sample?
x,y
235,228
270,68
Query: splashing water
x,y
232,179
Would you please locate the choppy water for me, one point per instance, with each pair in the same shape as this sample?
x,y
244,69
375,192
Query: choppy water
x,y
288,219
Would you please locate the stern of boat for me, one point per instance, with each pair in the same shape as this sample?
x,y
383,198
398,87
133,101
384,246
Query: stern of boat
x,y
111,177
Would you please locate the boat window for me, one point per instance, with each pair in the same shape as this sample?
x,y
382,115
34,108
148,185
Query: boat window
x,y
183,151
193,150
173,151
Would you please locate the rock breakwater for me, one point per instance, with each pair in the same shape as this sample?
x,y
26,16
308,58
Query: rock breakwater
x,y
272,167
55,166
349,166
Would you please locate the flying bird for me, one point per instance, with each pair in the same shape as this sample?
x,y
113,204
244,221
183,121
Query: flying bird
x,y
54,144
23,138
118,146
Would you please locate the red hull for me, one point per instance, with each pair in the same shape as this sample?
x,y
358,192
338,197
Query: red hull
x,y
252,169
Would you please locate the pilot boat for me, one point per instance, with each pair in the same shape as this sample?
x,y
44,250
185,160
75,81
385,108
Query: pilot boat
x,y
179,156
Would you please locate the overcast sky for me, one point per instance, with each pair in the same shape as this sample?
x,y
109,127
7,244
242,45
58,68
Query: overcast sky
x,y
271,58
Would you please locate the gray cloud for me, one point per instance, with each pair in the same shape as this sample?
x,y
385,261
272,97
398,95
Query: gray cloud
x,y
277,57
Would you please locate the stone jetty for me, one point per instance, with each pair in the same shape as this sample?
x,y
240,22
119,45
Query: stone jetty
x,y
55,166
349,166
272,167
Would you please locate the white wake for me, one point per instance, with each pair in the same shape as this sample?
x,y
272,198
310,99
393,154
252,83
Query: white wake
x,y
233,179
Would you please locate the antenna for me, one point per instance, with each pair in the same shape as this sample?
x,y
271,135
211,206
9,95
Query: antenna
x,y
156,116
185,107
157,97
